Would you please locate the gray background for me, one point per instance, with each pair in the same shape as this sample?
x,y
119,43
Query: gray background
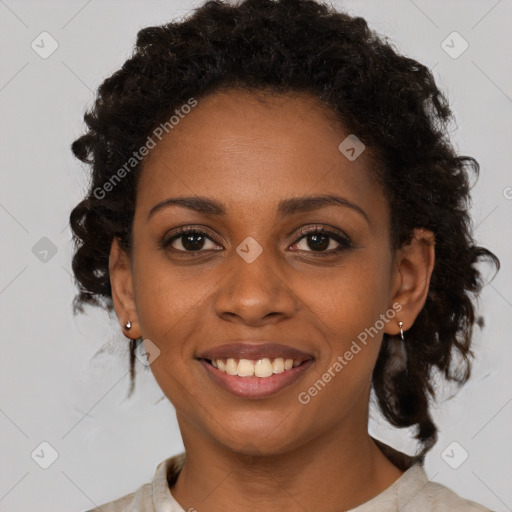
x,y
64,379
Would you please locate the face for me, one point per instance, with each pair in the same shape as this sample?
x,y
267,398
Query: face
x,y
261,264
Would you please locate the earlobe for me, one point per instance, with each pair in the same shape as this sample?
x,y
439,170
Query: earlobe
x,y
121,284
413,270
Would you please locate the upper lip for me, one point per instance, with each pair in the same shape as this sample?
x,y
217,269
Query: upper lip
x,y
248,350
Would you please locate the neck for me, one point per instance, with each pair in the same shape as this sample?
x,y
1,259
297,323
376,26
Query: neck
x,y
338,471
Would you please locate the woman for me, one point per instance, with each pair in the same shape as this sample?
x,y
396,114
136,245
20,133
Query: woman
x,y
278,218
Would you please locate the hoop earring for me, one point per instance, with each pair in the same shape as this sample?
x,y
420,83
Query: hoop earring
x,y
128,325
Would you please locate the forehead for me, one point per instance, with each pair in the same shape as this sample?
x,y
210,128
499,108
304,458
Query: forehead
x,y
253,150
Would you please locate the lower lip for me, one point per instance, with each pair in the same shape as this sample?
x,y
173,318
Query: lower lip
x,y
256,387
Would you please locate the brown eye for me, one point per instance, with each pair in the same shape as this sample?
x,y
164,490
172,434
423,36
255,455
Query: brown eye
x,y
189,240
322,241
317,242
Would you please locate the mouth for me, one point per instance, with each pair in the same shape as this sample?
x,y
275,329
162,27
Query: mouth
x,y
255,371
261,368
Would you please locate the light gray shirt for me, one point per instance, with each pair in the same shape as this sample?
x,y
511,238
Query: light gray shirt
x,y
412,492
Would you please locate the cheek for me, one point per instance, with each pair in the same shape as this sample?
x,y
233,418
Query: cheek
x,y
167,309
351,298
351,310
166,296
169,303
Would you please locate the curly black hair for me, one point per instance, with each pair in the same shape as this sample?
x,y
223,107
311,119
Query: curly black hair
x,y
390,101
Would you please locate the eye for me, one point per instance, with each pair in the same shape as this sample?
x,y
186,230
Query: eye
x,y
316,240
322,240
189,240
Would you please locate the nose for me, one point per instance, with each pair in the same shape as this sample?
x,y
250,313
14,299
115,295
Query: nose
x,y
255,293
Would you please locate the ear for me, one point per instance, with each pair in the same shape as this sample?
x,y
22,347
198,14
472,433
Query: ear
x,y
122,289
414,264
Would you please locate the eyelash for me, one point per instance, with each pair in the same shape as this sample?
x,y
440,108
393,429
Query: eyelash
x,y
343,240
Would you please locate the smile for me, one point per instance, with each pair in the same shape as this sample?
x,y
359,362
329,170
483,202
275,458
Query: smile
x,y
255,379
258,368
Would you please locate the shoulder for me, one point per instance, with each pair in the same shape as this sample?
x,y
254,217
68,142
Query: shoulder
x,y
139,501
151,496
416,492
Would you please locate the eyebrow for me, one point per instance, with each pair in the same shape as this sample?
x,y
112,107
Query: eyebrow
x,y
285,208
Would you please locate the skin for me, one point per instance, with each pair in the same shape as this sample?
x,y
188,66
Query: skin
x,y
249,154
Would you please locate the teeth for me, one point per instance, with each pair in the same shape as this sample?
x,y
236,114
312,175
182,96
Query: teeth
x,y
231,366
261,368
245,368
278,365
